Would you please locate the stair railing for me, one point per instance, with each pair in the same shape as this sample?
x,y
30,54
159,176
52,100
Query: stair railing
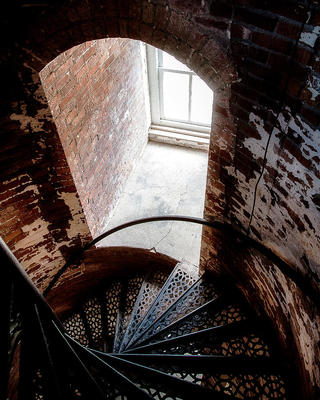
x,y
295,275
26,312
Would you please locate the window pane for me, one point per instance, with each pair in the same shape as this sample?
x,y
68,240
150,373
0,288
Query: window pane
x,y
171,63
175,95
201,102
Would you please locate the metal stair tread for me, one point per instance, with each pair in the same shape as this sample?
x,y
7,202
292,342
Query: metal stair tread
x,y
129,293
187,333
189,389
192,300
167,295
148,292
235,332
210,312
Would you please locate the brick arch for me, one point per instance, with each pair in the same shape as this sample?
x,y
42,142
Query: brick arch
x,y
169,28
48,32
216,41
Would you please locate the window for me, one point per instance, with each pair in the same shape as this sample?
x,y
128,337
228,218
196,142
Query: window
x,y
179,98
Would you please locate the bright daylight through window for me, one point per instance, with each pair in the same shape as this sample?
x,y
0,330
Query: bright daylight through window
x,y
179,98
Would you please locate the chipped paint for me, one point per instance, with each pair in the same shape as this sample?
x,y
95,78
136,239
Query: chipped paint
x,y
281,293
311,142
32,123
29,123
310,38
77,227
28,188
40,227
256,146
36,249
313,85
283,192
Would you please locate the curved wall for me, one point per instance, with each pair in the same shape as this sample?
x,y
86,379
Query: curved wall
x,y
262,60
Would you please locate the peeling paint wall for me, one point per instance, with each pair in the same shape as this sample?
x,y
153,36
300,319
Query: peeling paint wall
x,y
41,216
265,178
294,315
269,176
286,214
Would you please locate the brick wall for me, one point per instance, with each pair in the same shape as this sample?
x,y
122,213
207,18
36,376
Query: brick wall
x,y
262,60
41,218
295,315
264,164
270,175
97,98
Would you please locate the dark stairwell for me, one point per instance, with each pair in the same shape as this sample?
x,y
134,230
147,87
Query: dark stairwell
x,y
262,60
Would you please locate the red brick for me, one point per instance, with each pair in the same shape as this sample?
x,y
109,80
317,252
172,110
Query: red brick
x,y
135,9
146,33
289,29
161,16
293,88
159,39
315,64
89,53
271,42
259,20
215,54
95,89
134,29
312,115
213,24
148,13
221,10
113,27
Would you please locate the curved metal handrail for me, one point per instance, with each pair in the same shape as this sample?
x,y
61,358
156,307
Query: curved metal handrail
x,y
76,257
298,278
19,275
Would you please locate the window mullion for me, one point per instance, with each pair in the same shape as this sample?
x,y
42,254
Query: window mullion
x,y
190,97
160,79
176,71
160,58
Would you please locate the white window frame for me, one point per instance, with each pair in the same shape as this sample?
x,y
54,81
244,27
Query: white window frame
x,y
155,75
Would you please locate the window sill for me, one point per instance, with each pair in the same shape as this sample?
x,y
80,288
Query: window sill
x,y
179,137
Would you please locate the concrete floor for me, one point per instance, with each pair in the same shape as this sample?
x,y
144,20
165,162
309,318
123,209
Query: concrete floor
x,y
167,180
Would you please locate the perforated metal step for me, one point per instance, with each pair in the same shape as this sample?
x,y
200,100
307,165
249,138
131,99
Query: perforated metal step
x,y
149,291
129,293
198,294
213,313
179,281
176,336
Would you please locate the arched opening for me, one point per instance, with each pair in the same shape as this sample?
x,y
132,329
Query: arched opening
x,y
59,236
98,93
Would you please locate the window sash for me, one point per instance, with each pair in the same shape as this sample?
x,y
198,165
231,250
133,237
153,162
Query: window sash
x,y
156,72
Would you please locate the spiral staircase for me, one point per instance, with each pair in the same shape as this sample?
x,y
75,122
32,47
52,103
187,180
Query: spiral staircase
x,y
154,335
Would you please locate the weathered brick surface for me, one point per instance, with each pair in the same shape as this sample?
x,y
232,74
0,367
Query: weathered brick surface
x,y
96,93
262,59
41,216
258,277
271,183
